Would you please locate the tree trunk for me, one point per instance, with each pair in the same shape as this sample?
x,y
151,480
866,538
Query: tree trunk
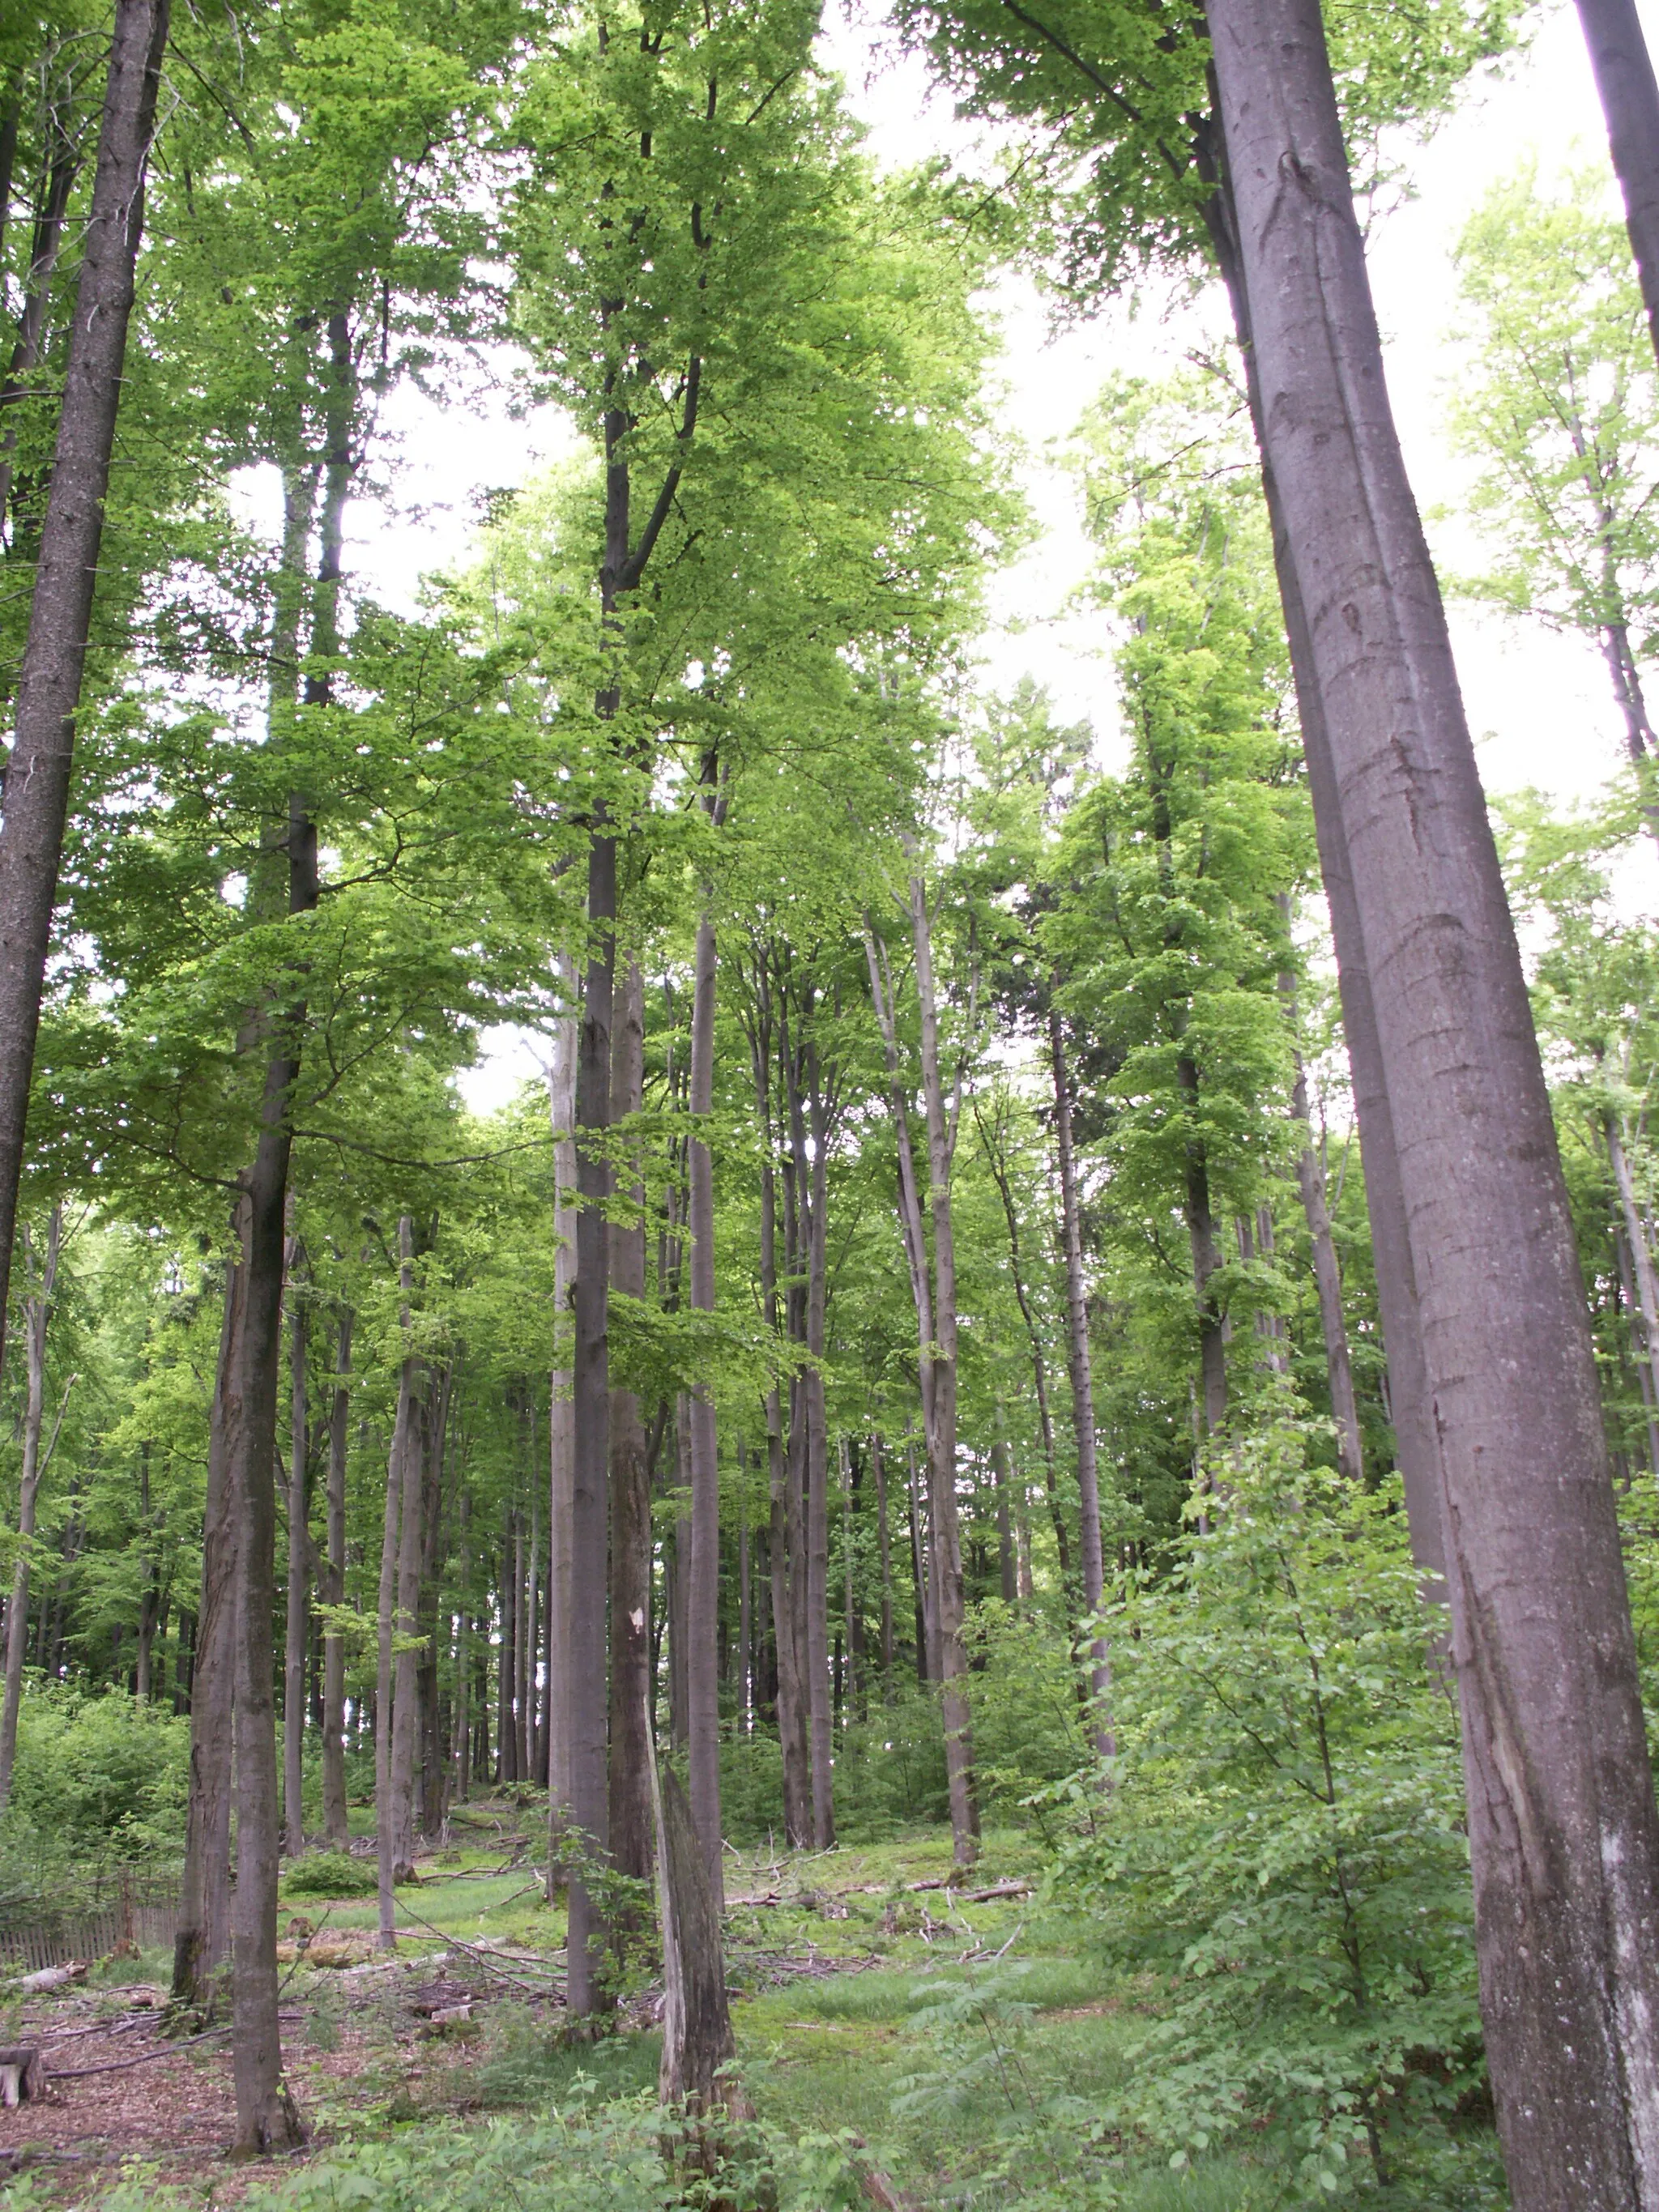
x,y
336,1829
782,1555
1641,1253
266,2117
885,1553
1007,1585
703,1592
407,1471
298,1609
37,1312
1630,101
36,794
561,1431
1416,1449
385,1623
1078,1368
1327,1276
942,1429
202,1942
1563,1835
62,167
589,1532
926,1612
811,1178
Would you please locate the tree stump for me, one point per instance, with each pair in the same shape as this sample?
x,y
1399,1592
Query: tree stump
x,y
22,2073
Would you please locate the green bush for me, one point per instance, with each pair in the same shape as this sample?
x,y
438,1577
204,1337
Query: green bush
x,y
331,1874
96,1775
1283,1846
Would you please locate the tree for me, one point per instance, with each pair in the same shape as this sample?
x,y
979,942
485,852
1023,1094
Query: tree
x,y
66,567
1563,414
1555,1755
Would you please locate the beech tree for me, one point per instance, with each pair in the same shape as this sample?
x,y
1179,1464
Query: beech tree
x,y
1537,1587
1561,416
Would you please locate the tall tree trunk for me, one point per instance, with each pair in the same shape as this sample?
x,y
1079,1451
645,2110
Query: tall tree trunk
x,y
1630,101
782,1557
589,1532
37,1312
942,1431
336,1829
299,1548
1416,1448
1564,1834
1001,1476
36,795
1078,1368
927,1611
1328,1277
1640,1251
408,1458
202,1942
62,167
385,1612
745,1607
561,1431
266,2117
630,1787
816,1468
884,1552
703,1592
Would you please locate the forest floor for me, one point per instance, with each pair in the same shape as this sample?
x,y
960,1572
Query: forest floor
x,y
952,2034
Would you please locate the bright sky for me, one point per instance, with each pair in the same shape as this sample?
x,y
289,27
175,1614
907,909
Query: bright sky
x,y
1539,705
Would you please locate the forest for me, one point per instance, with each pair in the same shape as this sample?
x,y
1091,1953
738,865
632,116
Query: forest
x,y
778,1431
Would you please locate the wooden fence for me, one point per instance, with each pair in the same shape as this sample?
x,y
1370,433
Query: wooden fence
x,y
126,1906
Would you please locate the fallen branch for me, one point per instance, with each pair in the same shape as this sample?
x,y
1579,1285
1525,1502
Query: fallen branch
x,y
488,1960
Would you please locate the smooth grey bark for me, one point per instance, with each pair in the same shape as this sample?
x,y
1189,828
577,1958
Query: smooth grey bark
x,y
385,1624
37,1313
1638,1248
1416,1448
1630,101
62,167
1078,1369
702,1594
1564,1834
335,1825
561,1431
813,1173
298,1550
267,2117
784,1559
202,1942
936,1317
1327,1272
591,1401
884,1553
36,796
407,1472
629,1793
1007,1584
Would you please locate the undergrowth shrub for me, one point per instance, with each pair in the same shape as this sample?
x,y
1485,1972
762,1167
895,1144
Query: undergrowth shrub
x,y
331,1874
586,2158
96,1776
1283,1845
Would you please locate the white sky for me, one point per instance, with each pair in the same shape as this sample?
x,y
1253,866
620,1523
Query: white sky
x,y
1538,704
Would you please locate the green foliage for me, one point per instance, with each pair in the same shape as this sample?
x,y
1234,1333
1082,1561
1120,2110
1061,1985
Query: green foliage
x,y
330,1873
590,2155
1280,1844
97,1773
